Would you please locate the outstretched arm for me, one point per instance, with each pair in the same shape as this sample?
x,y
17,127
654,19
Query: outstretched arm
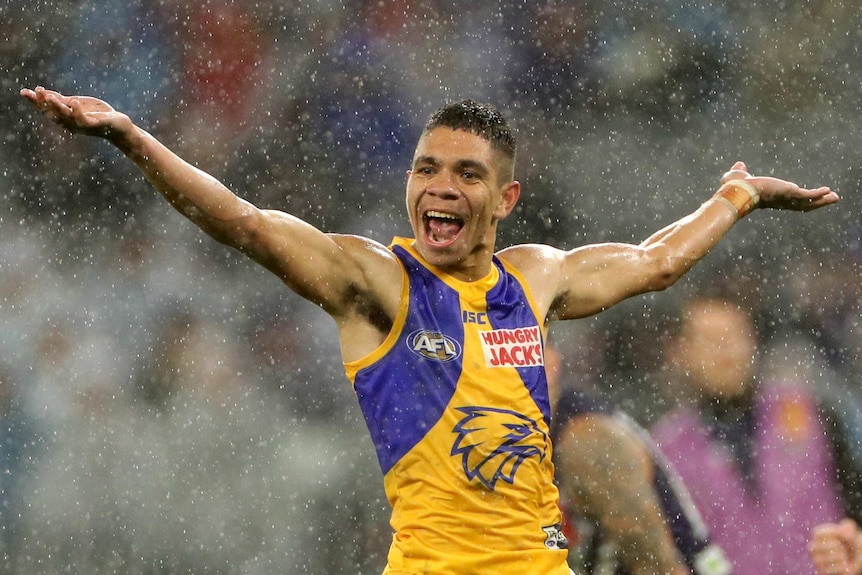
x,y
606,467
589,279
328,270
836,548
194,193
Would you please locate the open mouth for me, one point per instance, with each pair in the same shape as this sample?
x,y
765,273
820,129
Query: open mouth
x,y
441,229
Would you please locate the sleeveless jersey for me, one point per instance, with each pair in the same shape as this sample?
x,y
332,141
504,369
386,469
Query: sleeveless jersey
x,y
456,401
690,534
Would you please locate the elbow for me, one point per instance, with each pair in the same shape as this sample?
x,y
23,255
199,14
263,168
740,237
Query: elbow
x,y
666,271
240,233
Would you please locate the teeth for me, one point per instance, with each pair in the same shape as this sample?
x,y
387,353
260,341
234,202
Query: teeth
x,y
441,215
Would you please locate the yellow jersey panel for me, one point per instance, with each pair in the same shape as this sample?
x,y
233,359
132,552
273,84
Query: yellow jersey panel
x,y
456,401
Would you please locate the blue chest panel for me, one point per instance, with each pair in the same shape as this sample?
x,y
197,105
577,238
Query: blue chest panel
x,y
404,393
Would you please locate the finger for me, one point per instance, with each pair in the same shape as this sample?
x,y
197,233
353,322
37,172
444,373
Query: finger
x,y
813,203
40,93
73,105
77,113
825,536
830,558
47,99
739,171
54,107
46,92
44,100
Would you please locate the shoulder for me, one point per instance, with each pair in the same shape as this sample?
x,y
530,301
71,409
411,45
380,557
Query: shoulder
x,y
370,255
354,242
601,447
540,265
524,256
375,271
596,429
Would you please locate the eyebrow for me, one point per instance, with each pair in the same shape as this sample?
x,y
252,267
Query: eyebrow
x,y
473,165
431,160
459,165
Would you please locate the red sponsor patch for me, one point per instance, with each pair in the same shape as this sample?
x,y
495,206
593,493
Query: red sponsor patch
x,y
520,347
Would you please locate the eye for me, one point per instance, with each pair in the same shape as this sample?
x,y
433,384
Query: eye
x,y
470,175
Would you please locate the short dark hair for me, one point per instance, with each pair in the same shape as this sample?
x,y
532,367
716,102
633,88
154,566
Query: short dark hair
x,y
481,119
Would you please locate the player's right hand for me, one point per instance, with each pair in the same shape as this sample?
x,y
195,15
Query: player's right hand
x,y
79,114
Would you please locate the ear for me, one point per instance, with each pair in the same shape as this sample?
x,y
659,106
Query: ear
x,y
509,195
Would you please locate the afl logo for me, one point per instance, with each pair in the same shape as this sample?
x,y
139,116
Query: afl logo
x,y
433,345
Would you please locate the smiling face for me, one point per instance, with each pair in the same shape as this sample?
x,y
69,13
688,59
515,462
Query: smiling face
x,y
457,191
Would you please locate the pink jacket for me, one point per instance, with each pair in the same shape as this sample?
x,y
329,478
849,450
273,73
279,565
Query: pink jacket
x,y
763,532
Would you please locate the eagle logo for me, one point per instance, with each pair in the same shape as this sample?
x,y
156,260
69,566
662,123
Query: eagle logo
x,y
494,442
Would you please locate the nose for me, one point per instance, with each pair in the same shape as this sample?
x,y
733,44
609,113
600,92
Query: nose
x,y
443,186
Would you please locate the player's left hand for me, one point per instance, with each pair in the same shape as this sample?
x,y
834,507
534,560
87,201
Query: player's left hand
x,y
781,194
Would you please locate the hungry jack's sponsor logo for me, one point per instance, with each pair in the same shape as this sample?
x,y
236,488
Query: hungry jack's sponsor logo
x,y
519,347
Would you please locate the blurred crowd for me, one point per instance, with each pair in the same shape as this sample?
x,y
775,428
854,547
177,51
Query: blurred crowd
x,y
169,407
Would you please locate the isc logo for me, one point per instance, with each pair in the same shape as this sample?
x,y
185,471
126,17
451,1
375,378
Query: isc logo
x,y
477,317
433,345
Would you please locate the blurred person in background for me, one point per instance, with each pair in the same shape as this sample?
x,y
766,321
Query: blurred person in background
x,y
631,513
765,459
427,323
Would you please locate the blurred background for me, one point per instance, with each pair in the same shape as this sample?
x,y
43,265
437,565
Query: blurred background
x,y
169,407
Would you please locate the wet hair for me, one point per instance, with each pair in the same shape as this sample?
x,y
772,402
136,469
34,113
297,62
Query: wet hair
x,y
484,120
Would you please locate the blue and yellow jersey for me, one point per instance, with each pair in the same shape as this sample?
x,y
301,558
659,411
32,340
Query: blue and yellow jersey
x,y
456,401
